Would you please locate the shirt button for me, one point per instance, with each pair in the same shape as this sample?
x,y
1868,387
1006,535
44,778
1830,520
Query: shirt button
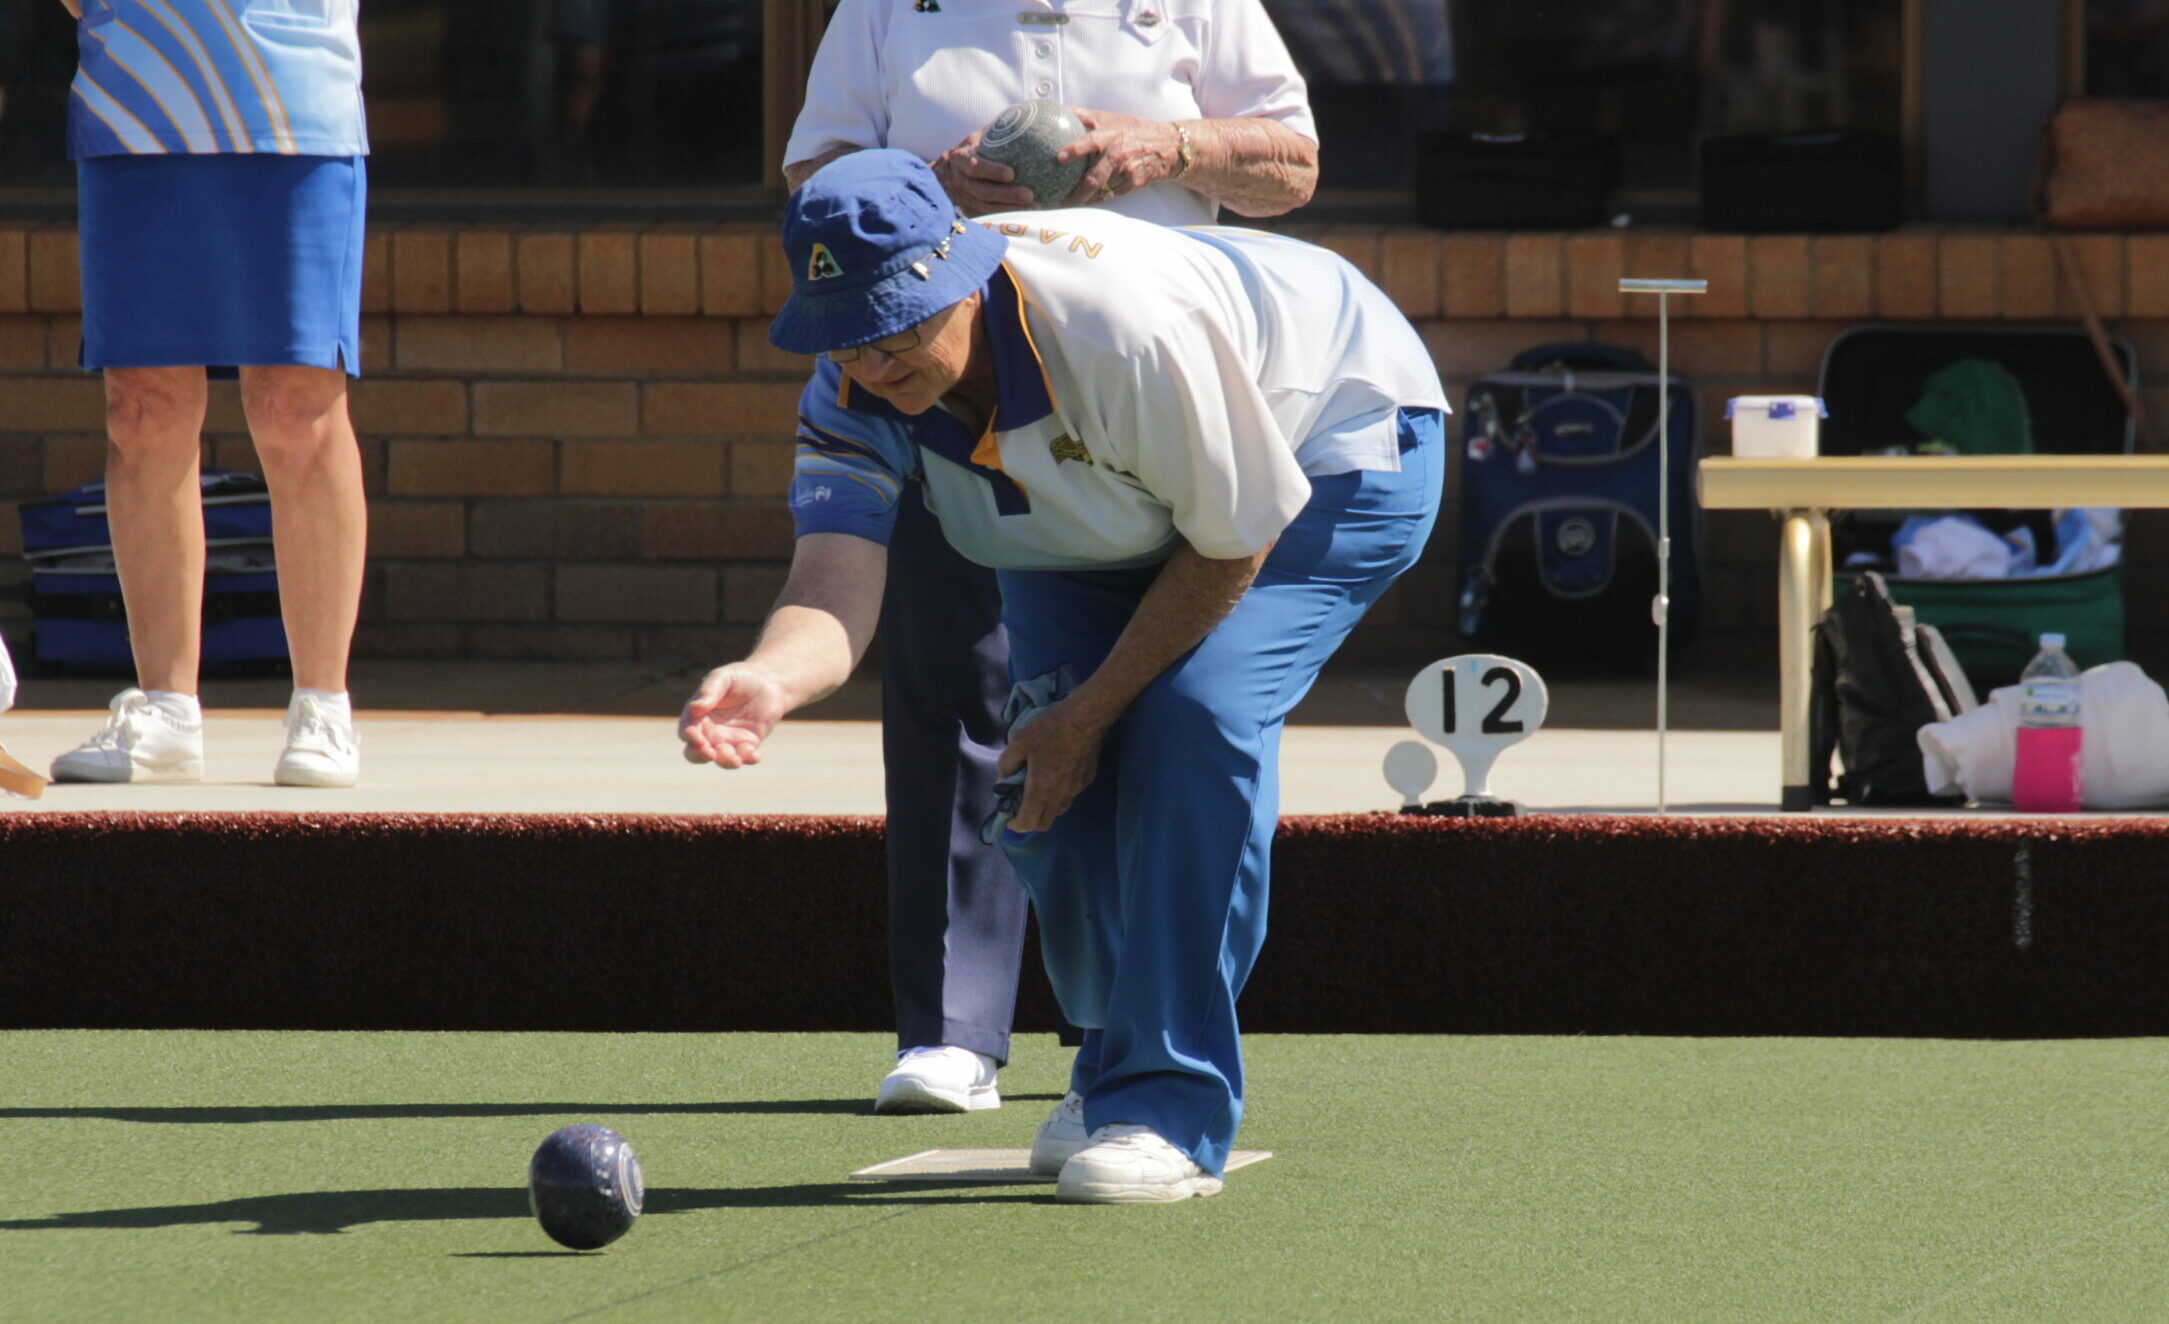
x,y
1044,88
1043,48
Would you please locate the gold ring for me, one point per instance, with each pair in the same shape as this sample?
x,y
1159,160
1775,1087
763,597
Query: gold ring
x,y
1107,191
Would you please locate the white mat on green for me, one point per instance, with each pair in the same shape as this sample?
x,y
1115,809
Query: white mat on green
x,y
992,1165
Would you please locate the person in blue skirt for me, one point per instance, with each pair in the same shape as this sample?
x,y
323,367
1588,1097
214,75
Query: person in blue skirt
x,y
219,150
1195,457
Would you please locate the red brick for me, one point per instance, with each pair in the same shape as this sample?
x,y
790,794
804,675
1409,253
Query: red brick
x,y
1795,349
674,595
1720,259
556,409
1358,243
556,530
1780,275
1905,275
2100,259
756,355
669,274
550,643
1472,275
63,339
730,273
14,271
698,645
373,638
707,409
1464,349
749,592
546,273
485,282
376,272
74,403
376,344
651,346
22,346
421,271
458,345
1595,263
775,278
716,531
72,461
761,468
609,272
1699,348
56,286
417,530
466,593
21,470
1535,275
646,468
2029,278
1844,275
2146,258
1967,276
392,405
1408,265
1658,255
471,468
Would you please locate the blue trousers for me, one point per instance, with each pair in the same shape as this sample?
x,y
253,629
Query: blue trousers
x,y
956,914
1151,888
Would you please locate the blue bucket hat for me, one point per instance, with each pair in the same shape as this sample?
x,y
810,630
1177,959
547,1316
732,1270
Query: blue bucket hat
x,y
875,246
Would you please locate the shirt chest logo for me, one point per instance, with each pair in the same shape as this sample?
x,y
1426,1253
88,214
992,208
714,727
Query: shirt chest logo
x,y
1066,447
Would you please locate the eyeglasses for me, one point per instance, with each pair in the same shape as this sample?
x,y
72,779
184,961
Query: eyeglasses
x,y
906,339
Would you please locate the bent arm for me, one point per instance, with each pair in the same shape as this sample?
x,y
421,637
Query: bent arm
x,y
1253,167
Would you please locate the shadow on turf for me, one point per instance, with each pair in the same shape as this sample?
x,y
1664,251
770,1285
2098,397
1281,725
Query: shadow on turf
x,y
328,1212
342,1112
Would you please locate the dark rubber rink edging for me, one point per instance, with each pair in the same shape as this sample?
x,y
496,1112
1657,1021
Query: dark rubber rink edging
x,y
1380,924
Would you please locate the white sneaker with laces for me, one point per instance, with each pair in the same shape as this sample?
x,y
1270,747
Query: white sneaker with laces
x,y
1127,1164
140,742
1061,1135
320,747
939,1079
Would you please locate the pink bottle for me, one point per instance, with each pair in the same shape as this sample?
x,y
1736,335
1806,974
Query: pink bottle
x,y
2048,776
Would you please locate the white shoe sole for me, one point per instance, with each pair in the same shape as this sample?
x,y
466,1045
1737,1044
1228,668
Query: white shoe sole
x,y
316,777
63,771
1047,1160
1102,1192
905,1095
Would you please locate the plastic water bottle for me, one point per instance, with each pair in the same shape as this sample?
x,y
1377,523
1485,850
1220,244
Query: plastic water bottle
x,y
2046,778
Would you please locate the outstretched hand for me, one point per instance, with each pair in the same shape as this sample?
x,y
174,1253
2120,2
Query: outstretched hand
x,y
976,185
1059,749
730,715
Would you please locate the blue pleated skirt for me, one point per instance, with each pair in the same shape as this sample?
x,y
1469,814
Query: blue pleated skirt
x,y
221,260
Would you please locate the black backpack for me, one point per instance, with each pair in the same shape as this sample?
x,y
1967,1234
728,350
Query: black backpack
x,y
1879,678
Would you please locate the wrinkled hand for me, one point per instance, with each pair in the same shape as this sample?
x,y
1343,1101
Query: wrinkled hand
x,y
729,715
976,185
1060,752
1134,153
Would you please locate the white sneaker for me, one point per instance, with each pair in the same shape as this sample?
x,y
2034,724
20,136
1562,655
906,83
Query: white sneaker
x,y
1061,1135
141,742
1128,1164
320,747
940,1079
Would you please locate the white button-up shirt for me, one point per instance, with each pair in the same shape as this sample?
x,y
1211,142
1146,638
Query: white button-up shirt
x,y
923,75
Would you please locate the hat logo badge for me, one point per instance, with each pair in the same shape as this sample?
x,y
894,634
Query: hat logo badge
x,y
821,264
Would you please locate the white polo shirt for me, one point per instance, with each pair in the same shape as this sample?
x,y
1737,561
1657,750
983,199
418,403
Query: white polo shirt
x,y
923,75
1151,384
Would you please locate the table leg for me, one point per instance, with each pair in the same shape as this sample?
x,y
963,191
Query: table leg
x,y
1803,594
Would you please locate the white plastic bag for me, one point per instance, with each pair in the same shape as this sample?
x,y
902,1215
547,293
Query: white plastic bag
x,y
2123,755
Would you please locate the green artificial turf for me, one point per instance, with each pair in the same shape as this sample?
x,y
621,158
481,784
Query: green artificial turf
x,y
319,1177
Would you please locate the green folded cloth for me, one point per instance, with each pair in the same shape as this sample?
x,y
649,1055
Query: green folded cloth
x,y
1975,407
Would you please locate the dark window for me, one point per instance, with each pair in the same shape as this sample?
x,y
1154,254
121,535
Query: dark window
x,y
2127,48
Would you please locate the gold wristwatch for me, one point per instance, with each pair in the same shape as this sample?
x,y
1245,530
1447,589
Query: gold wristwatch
x,y
1185,152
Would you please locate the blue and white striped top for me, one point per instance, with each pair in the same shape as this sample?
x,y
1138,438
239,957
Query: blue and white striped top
x,y
208,76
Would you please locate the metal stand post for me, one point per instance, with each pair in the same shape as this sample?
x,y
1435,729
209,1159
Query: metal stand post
x,y
1660,609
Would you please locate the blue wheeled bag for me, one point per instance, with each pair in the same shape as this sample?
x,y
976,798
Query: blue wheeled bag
x,y
1559,510
75,596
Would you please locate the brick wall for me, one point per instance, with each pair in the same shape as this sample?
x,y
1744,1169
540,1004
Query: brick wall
x,y
576,439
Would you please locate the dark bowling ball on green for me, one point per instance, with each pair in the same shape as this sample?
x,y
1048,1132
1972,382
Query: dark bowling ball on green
x,y
1025,138
585,1186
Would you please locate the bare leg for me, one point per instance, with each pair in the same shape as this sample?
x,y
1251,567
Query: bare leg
x,y
154,504
319,515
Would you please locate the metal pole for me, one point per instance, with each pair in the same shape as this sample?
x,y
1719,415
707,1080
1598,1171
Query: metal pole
x,y
1660,608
